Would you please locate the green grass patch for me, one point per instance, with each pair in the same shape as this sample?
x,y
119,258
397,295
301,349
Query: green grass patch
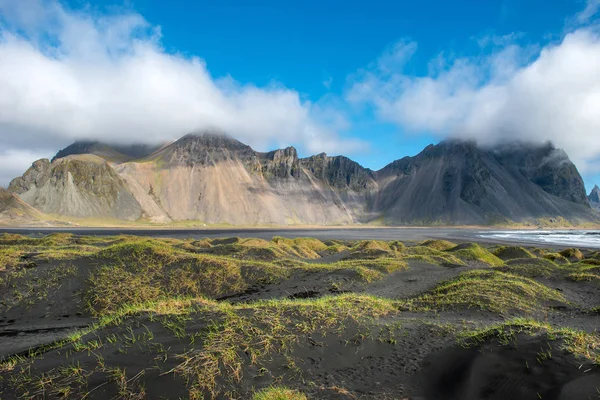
x,y
279,393
557,258
254,331
430,255
487,290
531,267
474,252
572,254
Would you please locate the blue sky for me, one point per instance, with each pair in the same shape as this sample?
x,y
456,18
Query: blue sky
x,y
374,80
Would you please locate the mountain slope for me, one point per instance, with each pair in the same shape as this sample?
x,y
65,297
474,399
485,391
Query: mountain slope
x,y
594,198
213,178
14,210
458,182
77,186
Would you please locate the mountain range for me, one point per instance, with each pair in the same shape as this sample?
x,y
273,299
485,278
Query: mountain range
x,y
212,178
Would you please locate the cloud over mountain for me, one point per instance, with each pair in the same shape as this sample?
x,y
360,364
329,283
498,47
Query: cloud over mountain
x,y
507,91
67,75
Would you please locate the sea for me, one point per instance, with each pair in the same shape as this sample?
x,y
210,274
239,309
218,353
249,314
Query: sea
x,y
575,238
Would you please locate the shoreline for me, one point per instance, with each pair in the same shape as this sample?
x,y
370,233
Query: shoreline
x,y
408,234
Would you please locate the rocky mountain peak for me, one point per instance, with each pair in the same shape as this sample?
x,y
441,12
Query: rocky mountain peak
x,y
281,163
205,147
210,138
594,196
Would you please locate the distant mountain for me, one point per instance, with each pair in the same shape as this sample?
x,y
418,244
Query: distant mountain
x,y
213,178
459,182
594,198
112,153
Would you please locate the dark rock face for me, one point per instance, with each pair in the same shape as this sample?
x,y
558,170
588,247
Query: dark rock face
x,y
594,198
205,148
458,182
282,163
340,172
547,167
113,153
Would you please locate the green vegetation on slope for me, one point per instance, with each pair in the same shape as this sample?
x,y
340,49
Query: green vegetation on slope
x,y
487,290
279,393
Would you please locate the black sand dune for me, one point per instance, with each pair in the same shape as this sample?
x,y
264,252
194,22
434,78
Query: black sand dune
x,y
124,317
529,368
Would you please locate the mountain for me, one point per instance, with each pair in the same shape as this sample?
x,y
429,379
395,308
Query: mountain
x,y
213,178
459,182
112,153
77,186
594,198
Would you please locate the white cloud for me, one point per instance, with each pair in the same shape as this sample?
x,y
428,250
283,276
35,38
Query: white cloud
x,y
14,163
68,75
590,10
508,94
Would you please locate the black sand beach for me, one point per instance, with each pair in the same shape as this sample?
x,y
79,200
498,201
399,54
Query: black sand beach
x,y
138,317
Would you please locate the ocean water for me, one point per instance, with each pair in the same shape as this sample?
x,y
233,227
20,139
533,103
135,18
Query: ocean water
x,y
575,238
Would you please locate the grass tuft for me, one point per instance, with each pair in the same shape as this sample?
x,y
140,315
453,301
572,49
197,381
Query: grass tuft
x,y
279,393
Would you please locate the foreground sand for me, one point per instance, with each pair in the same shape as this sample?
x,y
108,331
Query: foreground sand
x,y
134,317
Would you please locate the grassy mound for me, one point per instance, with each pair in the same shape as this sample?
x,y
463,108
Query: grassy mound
x,y
114,286
488,290
584,345
141,252
372,249
247,251
430,256
301,247
372,269
512,252
270,327
572,254
583,272
279,393
219,345
585,277
438,244
474,252
531,267
557,258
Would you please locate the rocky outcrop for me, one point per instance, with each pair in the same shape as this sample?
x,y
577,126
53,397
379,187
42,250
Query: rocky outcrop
x,y
213,178
594,198
77,186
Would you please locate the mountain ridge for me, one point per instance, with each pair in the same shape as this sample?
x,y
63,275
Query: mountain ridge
x,y
212,177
